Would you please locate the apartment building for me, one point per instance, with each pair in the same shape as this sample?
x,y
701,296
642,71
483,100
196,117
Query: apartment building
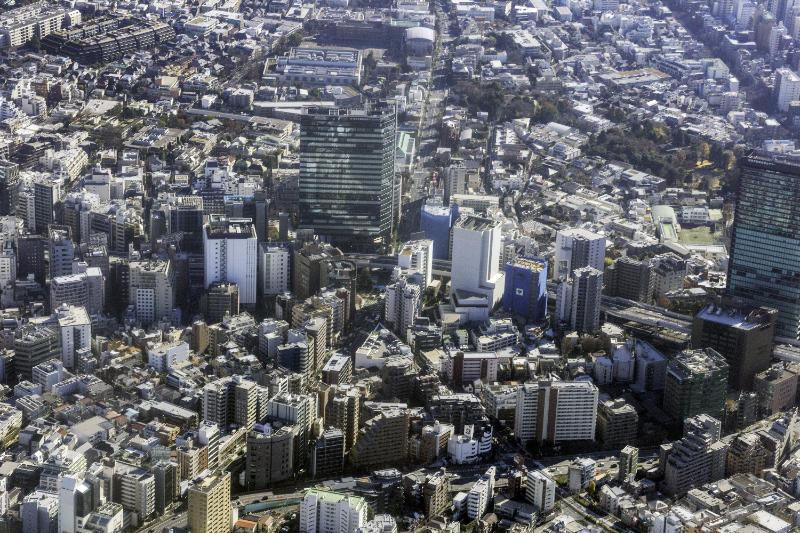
x,y
540,490
556,411
325,511
382,440
210,509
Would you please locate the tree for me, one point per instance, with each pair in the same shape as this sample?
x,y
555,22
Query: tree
x,y
35,43
295,39
592,488
728,160
702,152
364,280
567,346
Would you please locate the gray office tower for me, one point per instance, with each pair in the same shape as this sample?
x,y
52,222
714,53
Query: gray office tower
x,y
764,268
347,171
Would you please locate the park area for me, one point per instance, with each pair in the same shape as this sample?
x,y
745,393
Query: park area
x,y
701,235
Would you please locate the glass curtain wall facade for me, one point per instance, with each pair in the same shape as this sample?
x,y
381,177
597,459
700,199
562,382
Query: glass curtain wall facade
x,y
765,244
347,170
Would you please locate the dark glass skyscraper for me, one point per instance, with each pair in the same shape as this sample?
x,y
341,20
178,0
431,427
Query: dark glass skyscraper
x,y
9,184
347,170
764,267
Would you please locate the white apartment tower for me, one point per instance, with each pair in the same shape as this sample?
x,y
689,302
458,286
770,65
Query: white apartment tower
x,y
417,257
84,289
403,304
480,495
152,290
230,248
775,35
787,89
540,490
556,411
325,511
577,248
455,180
76,332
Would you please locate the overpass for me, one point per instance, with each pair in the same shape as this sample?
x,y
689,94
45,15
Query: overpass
x,y
630,311
441,267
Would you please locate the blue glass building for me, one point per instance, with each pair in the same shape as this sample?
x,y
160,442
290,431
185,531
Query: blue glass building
x,y
436,221
764,268
526,288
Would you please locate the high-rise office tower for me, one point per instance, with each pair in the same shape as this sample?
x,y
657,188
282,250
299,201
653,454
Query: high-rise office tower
x,y
742,334
222,297
230,255
630,279
476,249
34,345
9,185
577,248
578,300
179,214
210,509
45,196
62,251
764,268
697,381
347,171
30,257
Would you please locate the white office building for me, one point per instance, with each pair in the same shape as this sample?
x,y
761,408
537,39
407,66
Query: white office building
x,y
164,355
229,246
273,268
476,252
